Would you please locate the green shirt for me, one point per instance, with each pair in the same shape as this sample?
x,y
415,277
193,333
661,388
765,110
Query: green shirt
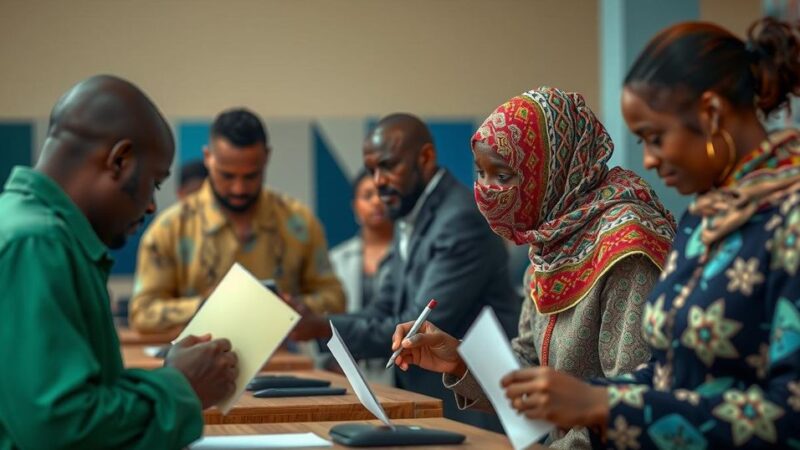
x,y
62,383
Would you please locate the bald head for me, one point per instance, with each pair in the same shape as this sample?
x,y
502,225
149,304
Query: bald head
x,y
101,109
108,147
401,131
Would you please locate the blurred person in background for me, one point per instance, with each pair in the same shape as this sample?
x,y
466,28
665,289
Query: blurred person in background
x,y
357,261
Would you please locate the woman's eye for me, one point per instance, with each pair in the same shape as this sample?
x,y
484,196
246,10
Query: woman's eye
x,y
653,140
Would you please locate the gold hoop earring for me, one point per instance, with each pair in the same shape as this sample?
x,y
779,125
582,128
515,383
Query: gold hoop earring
x,y
710,151
731,154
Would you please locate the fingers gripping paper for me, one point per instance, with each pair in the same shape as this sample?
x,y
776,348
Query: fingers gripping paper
x,y
353,373
251,316
489,368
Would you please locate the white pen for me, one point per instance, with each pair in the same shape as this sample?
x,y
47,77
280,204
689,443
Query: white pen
x,y
420,320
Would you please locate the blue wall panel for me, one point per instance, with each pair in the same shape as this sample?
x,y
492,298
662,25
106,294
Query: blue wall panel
x,y
452,147
125,257
333,192
16,144
192,137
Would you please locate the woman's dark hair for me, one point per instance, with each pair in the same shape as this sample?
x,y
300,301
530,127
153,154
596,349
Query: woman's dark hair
x,y
193,170
358,178
687,59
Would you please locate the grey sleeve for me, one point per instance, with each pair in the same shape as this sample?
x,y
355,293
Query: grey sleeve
x,y
468,393
622,346
524,345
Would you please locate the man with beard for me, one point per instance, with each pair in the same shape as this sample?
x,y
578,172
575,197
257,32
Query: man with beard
x,y
232,218
443,249
62,384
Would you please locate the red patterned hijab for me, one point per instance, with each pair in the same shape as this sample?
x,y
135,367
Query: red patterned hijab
x,y
579,217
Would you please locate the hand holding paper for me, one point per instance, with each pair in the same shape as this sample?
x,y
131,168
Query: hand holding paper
x,y
564,399
251,317
210,367
489,368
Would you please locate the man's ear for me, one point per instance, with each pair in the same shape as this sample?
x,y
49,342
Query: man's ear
x,y
427,156
207,157
120,158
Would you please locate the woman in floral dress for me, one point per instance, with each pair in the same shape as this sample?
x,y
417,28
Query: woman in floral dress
x,y
724,320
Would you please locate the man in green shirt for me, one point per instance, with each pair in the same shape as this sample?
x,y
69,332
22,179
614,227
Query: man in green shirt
x,y
62,383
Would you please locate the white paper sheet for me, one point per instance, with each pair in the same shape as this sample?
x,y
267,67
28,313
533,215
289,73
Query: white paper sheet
x,y
489,367
260,441
251,316
153,351
357,381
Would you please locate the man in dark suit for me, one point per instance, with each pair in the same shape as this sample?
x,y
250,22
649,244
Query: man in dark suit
x,y
443,249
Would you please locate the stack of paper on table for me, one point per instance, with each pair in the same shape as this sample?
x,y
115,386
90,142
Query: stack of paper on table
x,y
252,317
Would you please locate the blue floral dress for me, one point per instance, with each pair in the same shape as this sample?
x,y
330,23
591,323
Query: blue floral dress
x,y
725,334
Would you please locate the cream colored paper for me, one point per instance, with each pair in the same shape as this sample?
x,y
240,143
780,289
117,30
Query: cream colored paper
x,y
251,316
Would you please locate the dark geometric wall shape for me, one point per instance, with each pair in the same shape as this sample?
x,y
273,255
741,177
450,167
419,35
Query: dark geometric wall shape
x,y
333,192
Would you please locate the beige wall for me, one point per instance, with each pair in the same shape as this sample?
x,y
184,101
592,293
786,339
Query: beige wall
x,y
310,58
306,58
735,15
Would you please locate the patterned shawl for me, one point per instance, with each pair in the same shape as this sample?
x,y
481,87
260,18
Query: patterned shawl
x,y
579,217
764,178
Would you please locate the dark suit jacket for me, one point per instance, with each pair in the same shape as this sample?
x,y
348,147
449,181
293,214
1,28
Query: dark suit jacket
x,y
453,257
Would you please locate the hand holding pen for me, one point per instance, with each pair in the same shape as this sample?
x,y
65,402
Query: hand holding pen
x,y
421,343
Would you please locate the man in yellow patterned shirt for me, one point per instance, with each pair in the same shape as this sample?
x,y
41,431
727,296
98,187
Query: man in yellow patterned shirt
x,y
232,218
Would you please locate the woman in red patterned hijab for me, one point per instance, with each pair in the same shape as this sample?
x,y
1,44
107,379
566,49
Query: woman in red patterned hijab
x,y
598,238
579,217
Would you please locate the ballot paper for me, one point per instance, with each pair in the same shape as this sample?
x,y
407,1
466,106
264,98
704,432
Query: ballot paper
x,y
152,350
489,367
260,441
251,316
353,373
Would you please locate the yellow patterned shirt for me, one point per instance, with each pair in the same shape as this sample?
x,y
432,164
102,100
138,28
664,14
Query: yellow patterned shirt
x,y
191,246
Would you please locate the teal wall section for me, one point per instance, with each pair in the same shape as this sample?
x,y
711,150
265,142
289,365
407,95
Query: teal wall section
x,y
16,147
333,192
625,28
192,137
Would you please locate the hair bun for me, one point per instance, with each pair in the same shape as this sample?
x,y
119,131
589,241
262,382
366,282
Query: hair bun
x,y
774,50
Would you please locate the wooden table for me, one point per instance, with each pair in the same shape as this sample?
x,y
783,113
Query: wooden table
x,y
476,437
397,403
134,356
132,337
